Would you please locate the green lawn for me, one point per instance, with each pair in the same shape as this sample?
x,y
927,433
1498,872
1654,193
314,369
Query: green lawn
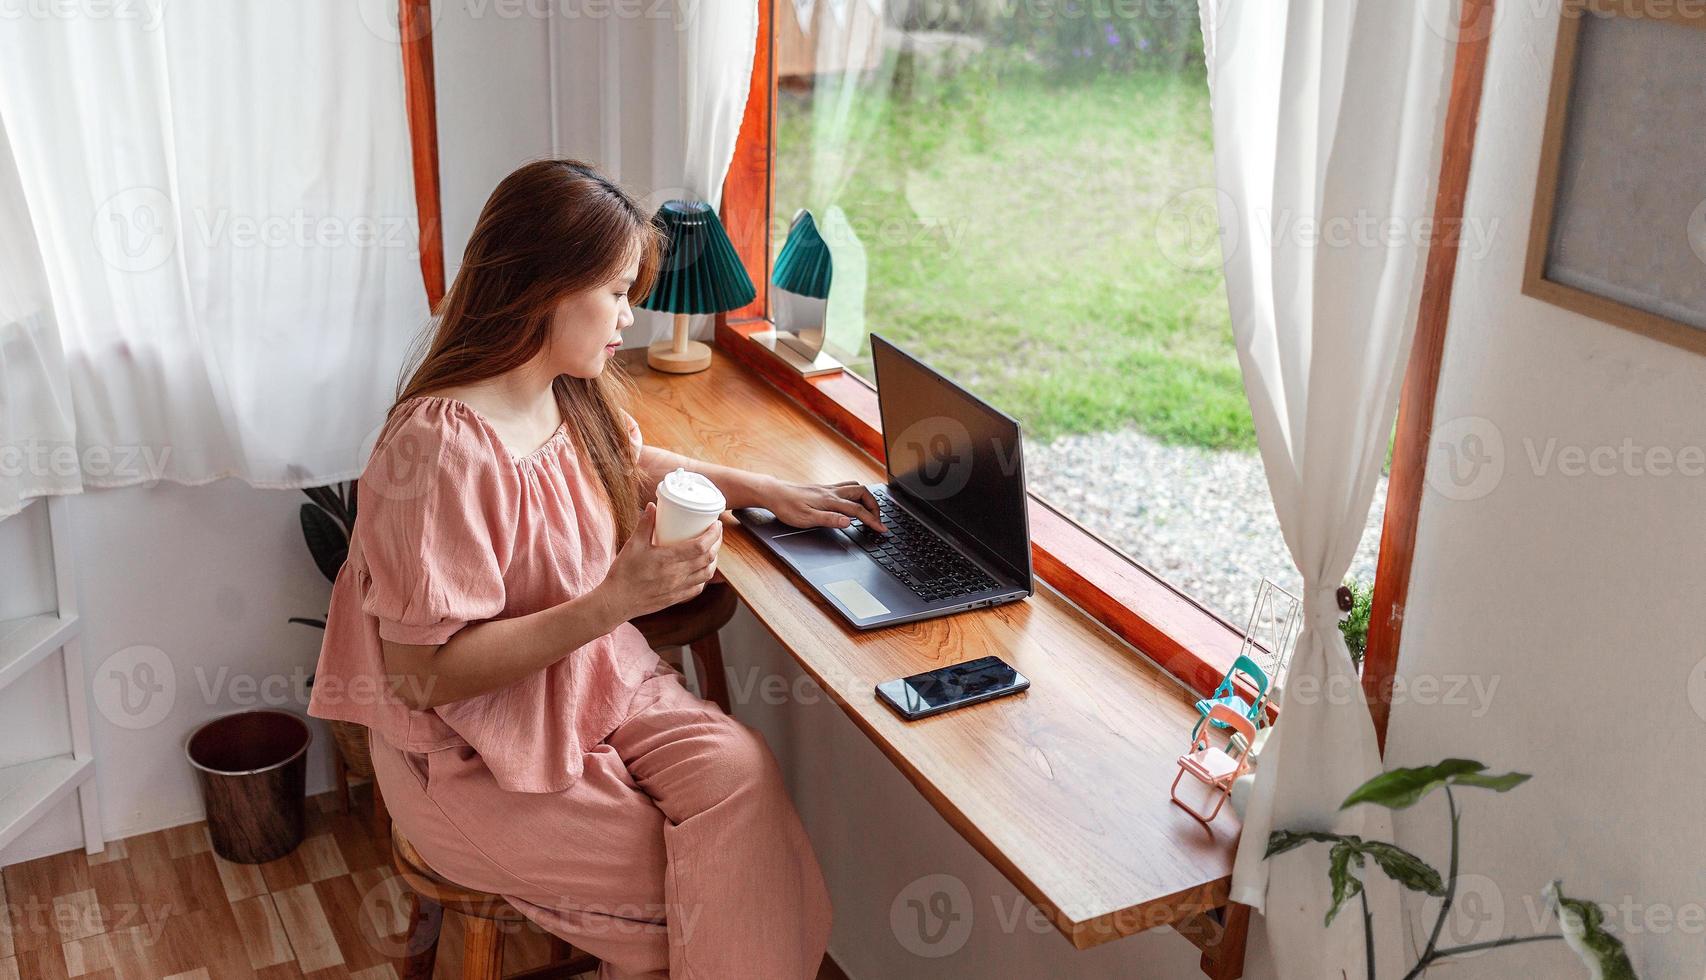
x,y
1010,223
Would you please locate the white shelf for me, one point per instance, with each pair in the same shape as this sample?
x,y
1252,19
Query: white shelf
x,y
28,641
31,789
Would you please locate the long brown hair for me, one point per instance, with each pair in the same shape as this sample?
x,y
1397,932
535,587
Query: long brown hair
x,y
551,228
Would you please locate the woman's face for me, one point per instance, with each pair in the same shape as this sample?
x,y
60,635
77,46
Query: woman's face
x,y
586,328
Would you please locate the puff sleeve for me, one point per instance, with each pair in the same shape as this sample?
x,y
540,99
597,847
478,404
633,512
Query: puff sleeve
x,y
436,519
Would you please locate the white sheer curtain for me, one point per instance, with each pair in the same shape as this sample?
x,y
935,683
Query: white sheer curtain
x,y
37,432
719,40
223,201
1327,128
713,42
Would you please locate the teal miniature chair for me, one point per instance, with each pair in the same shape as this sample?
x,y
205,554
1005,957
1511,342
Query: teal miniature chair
x,y
1227,693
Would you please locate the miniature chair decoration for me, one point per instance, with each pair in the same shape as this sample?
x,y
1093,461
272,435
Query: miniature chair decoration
x,y
1274,622
1262,659
1214,767
1227,696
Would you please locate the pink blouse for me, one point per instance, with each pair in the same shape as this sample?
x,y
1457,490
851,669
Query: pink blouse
x,y
453,528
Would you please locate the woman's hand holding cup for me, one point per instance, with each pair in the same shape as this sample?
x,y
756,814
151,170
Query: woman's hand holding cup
x,y
673,551
645,576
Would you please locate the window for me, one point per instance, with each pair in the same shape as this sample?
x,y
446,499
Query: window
x,y
1022,194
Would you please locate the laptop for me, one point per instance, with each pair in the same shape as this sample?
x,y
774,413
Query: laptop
x,y
955,506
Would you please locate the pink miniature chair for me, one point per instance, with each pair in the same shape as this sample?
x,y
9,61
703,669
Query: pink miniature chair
x,y
1212,766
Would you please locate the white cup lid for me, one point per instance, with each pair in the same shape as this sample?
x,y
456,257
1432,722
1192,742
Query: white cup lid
x,y
691,491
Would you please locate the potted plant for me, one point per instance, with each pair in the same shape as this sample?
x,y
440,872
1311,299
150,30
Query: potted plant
x,y
328,520
1581,924
1356,600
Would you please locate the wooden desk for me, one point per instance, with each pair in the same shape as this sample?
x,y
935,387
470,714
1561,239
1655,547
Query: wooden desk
x,y
1064,788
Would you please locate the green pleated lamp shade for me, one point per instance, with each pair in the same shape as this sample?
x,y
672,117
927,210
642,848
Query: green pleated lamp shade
x,y
700,272
803,267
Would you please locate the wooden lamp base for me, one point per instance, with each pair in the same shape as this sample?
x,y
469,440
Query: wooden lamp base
x,y
662,356
678,355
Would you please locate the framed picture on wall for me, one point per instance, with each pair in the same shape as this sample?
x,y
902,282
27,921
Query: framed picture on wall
x,y
1619,225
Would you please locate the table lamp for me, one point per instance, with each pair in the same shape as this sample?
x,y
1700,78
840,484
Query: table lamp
x,y
699,273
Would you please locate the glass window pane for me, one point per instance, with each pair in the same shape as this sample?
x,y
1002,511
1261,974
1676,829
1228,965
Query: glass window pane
x,y
1022,195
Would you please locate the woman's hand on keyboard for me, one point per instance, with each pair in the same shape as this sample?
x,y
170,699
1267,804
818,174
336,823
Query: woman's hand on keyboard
x,y
824,504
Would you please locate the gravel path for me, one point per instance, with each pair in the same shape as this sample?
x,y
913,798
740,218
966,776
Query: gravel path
x,y
1201,519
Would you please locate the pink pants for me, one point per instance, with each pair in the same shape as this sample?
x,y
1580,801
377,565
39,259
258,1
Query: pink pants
x,y
677,854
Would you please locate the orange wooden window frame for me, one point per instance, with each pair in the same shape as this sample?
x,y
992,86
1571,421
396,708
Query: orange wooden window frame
x,y
1179,634
414,29
1421,378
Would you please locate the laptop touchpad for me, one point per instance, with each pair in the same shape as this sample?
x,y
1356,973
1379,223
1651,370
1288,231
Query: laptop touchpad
x,y
816,547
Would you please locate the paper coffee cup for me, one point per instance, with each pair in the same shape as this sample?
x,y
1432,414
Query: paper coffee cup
x,y
688,503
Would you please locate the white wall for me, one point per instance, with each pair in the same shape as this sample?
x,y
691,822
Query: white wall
x,y
1579,596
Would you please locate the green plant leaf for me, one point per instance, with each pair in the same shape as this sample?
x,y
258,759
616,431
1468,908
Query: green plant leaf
x,y
1354,626
1347,856
326,497
337,500
1583,925
1405,868
1346,885
1281,841
1498,784
1399,789
327,540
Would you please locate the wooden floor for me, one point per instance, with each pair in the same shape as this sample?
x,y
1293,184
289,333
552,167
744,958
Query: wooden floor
x,y
163,906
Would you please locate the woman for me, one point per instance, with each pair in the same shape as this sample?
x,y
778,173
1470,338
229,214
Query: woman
x,y
526,738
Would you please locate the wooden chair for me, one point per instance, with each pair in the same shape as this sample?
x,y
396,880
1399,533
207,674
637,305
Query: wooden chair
x,y
352,760
485,918
693,625
1214,767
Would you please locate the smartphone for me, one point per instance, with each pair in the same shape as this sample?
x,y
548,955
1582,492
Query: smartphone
x,y
946,688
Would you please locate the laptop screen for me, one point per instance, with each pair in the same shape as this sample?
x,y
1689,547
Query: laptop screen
x,y
956,458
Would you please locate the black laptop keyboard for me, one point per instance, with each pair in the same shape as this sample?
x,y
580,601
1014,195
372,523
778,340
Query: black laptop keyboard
x,y
917,555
